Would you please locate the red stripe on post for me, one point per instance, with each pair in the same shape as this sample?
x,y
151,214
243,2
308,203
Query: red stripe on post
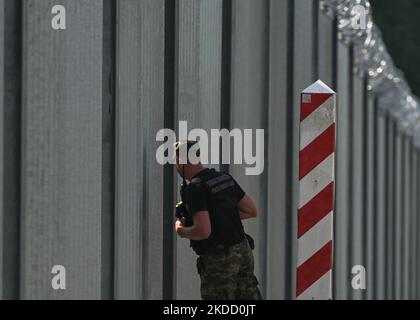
x,y
316,209
317,151
317,100
314,268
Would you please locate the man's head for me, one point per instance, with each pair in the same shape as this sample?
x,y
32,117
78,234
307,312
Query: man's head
x,y
187,155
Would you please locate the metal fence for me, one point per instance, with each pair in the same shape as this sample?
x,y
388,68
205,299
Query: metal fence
x,y
80,109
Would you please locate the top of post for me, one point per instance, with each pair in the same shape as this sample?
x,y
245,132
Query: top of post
x,y
318,87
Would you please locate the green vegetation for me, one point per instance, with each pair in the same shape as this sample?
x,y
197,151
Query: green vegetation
x,y
399,22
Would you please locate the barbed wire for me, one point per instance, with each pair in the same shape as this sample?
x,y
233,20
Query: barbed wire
x,y
371,58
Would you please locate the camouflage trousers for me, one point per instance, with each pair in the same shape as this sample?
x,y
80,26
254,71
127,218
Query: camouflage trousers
x,y
230,275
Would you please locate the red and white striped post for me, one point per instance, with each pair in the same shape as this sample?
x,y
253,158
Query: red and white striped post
x,y
316,193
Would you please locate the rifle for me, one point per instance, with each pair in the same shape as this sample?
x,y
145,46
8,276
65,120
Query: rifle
x,y
181,211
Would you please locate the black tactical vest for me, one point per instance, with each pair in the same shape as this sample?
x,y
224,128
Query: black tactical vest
x,y
226,224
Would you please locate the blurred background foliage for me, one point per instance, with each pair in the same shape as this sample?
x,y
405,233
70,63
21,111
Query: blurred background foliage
x,y
399,22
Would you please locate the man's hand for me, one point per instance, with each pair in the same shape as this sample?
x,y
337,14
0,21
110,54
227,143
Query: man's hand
x,y
200,230
179,224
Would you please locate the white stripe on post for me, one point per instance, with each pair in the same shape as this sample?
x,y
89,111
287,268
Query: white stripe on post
x,y
315,181
316,193
315,238
319,121
321,285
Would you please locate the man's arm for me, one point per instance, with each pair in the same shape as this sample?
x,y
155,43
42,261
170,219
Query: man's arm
x,y
247,208
201,229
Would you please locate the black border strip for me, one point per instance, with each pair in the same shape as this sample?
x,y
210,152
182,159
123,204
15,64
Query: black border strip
x,y
351,165
394,208
376,159
226,73
288,275
264,186
365,166
12,134
108,149
169,281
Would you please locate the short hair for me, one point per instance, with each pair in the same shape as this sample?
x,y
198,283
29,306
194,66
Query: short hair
x,y
189,143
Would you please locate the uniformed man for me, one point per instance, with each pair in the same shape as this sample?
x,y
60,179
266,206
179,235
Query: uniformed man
x,y
216,204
